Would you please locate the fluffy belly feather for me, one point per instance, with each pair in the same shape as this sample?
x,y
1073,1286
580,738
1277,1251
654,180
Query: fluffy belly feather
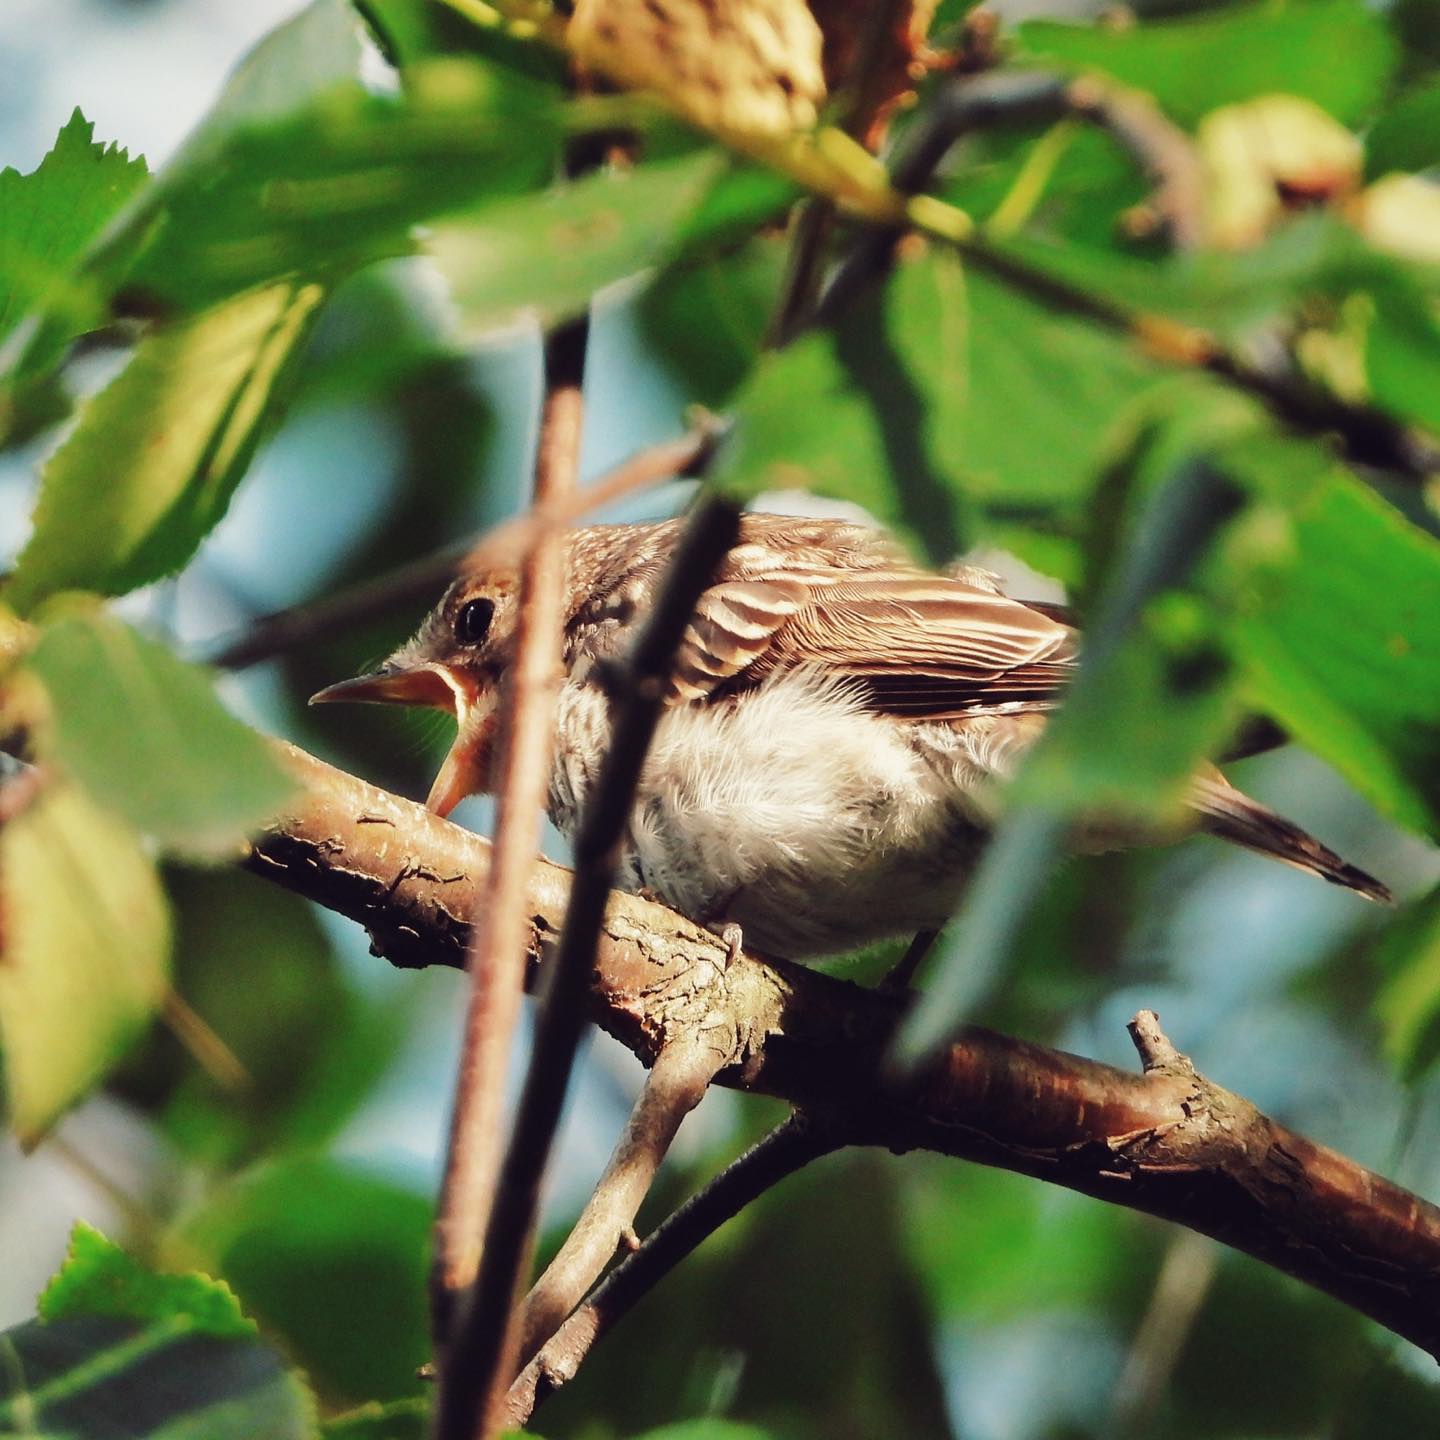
x,y
794,812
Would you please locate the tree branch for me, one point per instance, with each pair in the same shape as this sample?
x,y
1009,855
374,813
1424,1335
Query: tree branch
x,y
1167,1142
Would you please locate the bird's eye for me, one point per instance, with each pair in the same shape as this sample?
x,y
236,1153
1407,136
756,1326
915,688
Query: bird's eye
x,y
472,624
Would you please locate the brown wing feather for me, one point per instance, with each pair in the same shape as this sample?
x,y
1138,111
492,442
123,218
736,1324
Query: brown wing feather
x,y
918,645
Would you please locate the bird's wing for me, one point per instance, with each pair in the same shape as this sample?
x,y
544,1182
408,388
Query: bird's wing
x,y
916,645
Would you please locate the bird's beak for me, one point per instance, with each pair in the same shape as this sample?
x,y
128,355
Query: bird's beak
x,y
443,688
435,685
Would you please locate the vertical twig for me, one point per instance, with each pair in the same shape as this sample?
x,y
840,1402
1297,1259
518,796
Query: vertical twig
x,y
486,1331
674,1087
793,1144
497,956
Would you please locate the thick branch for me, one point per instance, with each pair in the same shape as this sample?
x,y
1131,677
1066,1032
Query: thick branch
x,y
1167,1141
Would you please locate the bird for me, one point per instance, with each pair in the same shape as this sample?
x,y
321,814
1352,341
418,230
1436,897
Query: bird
x,y
836,729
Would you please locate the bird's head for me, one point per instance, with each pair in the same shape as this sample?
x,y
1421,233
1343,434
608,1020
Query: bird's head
x,y
455,662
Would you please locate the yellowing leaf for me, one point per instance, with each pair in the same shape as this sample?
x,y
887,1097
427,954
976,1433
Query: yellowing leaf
x,y
743,67
84,947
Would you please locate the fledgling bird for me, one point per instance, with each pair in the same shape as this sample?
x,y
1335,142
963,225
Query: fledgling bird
x,y
824,770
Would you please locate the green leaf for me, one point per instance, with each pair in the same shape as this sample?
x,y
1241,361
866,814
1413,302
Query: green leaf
x,y
1407,135
86,945
157,454
707,322
299,1240
48,217
910,406
1339,630
99,1278
548,254
145,734
1194,64
313,1047
340,181
120,1353
1407,1004
1151,650
399,1420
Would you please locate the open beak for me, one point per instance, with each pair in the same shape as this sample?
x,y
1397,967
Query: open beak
x,y
435,685
442,688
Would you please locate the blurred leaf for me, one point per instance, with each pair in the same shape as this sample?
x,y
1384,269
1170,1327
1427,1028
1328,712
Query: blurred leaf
x,y
334,1261
1407,1004
85,948
341,180
1083,181
912,406
314,51
1338,628
49,216
990,1245
399,1420
1150,652
311,52
123,1354
706,322
144,732
1194,64
1406,136
98,1278
1103,760
709,1429
313,1049
547,254
157,454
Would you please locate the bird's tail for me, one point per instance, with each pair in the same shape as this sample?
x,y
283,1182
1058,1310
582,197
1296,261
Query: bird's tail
x,y
1233,815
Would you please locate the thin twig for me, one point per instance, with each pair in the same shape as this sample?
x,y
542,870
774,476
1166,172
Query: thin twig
x,y
315,620
673,1088
792,1145
497,958
480,1336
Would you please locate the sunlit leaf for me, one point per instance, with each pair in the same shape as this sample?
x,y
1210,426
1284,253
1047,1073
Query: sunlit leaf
x,y
547,254
85,949
341,181
157,454
49,216
99,1279
144,732
120,1353
1195,63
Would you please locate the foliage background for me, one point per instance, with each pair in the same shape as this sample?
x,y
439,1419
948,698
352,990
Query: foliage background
x,y
873,1295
